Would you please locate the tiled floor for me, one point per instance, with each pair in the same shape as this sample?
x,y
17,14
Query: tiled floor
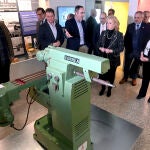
x,y
122,103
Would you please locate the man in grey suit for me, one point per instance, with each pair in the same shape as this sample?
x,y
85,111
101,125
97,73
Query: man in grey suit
x,y
133,41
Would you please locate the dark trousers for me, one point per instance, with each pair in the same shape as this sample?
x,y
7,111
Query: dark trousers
x,y
4,75
131,67
145,80
91,49
110,75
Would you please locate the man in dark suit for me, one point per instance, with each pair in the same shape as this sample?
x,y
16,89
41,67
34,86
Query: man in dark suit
x,y
146,17
133,39
145,58
91,25
50,32
40,12
146,75
98,30
6,52
75,29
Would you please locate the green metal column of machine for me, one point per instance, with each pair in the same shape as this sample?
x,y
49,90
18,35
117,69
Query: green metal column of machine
x,y
69,98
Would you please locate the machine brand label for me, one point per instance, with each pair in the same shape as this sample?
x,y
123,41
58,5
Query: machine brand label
x,y
72,59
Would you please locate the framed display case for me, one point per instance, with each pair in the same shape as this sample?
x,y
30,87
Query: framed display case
x,y
11,20
21,23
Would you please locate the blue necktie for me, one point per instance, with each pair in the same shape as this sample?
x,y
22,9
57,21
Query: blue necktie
x,y
137,27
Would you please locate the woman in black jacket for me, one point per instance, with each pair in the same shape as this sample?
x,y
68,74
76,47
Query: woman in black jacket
x,y
110,45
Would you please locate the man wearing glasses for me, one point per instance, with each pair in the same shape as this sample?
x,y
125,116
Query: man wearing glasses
x,y
98,30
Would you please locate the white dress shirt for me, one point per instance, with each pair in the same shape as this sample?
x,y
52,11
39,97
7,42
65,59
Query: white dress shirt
x,y
102,27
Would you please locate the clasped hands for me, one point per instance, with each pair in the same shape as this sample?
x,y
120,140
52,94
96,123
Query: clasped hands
x,y
56,44
142,58
105,50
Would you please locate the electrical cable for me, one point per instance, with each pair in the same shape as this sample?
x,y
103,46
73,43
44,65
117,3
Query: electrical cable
x,y
29,103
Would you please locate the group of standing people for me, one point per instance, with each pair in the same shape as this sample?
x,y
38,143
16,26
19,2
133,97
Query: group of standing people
x,y
103,39
135,40
86,36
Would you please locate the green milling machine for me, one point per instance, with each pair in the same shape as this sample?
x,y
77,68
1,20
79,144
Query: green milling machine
x,y
65,91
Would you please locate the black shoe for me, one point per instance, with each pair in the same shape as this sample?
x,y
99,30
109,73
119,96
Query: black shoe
x,y
102,90
148,100
140,97
108,93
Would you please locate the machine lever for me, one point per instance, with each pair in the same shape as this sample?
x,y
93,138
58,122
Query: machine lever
x,y
96,80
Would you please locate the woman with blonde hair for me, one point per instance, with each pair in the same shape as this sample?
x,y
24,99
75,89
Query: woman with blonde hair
x,y
110,45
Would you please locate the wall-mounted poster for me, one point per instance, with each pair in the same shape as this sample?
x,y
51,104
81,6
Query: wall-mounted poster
x,y
8,5
28,20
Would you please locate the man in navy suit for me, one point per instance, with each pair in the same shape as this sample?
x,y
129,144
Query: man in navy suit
x,y
135,35
50,32
75,29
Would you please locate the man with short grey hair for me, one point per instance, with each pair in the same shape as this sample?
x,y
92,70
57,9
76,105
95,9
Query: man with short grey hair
x,y
133,41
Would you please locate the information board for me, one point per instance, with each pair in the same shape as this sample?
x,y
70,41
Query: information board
x,y
28,21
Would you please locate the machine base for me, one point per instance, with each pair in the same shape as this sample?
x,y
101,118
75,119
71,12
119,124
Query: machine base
x,y
48,138
108,132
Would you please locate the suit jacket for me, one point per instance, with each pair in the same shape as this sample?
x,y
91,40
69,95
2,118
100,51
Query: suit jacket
x,y
73,43
116,44
128,38
96,37
46,37
90,26
6,47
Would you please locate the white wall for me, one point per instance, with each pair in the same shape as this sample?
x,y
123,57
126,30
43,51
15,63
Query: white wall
x,y
89,4
55,3
133,4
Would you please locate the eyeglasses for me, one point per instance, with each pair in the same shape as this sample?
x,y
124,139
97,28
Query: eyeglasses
x,y
39,14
